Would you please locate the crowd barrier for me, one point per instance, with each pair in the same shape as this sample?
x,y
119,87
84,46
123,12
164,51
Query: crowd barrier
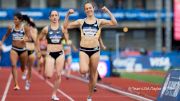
x,y
43,14
156,60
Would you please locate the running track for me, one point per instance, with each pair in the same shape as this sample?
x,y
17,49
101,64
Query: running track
x,y
74,89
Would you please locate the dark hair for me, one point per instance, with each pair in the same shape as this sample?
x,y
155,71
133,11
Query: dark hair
x,y
52,11
18,15
90,2
27,19
32,24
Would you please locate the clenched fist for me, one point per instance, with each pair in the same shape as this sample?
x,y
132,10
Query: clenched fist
x,y
105,9
71,11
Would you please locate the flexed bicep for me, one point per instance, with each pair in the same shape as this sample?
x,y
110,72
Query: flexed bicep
x,y
74,24
65,32
105,22
111,22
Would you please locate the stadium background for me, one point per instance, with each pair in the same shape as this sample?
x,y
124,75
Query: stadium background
x,y
143,41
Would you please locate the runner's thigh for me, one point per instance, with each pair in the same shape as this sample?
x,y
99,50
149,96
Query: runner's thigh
x,y
23,58
59,64
13,57
94,61
49,65
84,62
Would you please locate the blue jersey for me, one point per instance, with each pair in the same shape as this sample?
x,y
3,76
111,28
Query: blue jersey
x,y
17,34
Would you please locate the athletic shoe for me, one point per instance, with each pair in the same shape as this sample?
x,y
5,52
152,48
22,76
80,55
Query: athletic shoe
x,y
27,85
63,72
24,75
89,99
54,98
95,89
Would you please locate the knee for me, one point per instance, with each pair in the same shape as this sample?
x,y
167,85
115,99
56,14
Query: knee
x,y
83,71
59,77
23,66
13,66
48,76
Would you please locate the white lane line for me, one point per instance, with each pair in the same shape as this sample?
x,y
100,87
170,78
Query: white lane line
x,y
136,97
51,85
7,87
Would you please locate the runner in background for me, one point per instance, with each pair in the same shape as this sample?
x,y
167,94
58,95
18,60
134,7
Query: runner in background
x,y
54,62
30,46
41,59
68,56
18,51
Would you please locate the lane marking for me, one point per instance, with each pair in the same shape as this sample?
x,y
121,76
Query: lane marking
x,y
134,96
51,85
7,87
